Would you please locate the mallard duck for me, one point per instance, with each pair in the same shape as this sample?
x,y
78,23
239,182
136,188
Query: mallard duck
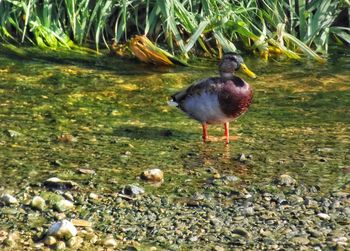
x,y
217,99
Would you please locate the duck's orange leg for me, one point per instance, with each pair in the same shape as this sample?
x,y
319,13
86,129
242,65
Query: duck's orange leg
x,y
227,132
205,132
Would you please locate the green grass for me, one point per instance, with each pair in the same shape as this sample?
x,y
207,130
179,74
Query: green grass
x,y
295,27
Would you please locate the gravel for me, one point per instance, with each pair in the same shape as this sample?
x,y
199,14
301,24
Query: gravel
x,y
271,216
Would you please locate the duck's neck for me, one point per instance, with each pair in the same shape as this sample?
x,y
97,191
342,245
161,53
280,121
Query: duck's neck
x,y
226,75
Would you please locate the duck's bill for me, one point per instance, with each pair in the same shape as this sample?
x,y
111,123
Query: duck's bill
x,y
246,70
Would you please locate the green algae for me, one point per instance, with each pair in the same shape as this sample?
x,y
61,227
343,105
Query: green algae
x,y
117,112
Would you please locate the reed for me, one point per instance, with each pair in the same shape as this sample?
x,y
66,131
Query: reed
x,y
292,28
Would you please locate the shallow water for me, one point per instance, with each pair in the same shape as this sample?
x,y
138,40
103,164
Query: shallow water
x,y
116,110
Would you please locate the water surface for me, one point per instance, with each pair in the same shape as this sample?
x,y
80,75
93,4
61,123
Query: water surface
x,y
116,111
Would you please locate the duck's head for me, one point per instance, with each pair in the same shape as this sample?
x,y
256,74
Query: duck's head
x,y
232,62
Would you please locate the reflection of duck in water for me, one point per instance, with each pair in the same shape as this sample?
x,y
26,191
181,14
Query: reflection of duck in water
x,y
217,99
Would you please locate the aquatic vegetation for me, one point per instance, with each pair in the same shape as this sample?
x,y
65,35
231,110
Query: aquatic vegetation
x,y
269,28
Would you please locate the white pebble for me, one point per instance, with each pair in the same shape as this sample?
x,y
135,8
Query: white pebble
x,y
38,203
324,216
8,199
62,229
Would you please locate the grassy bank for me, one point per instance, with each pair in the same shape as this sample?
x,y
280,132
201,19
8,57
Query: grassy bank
x,y
266,27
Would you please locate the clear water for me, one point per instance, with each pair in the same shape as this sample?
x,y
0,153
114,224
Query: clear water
x,y
117,111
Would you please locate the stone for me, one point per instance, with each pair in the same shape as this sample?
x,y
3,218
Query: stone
x,y
64,205
12,239
324,216
286,180
300,240
8,199
56,183
50,240
153,175
61,245
218,248
62,230
75,242
110,242
81,223
3,235
86,171
12,133
230,179
38,203
242,232
133,190
242,157
340,240
249,211
93,196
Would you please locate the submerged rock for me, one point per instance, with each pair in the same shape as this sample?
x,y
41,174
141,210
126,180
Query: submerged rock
x,y
242,157
62,230
56,183
50,240
8,199
38,203
286,180
324,216
86,171
12,133
75,242
64,205
153,175
81,223
133,190
110,242
12,239
61,245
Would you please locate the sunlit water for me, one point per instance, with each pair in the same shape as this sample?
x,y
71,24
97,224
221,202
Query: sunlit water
x,y
117,111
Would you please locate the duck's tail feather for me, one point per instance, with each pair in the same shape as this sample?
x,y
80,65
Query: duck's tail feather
x,y
173,103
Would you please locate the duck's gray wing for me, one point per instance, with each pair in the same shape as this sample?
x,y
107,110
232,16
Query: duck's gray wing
x,y
205,85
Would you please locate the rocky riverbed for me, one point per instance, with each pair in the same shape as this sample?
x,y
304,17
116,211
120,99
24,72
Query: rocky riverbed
x,y
225,215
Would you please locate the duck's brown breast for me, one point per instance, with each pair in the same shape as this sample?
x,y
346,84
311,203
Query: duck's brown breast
x,y
235,97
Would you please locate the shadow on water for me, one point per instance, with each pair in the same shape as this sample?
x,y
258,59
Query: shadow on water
x,y
149,133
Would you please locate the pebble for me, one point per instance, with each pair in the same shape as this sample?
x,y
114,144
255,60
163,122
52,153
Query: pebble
x,y
218,248
12,133
133,190
230,179
50,240
300,240
75,242
64,205
86,171
324,216
81,223
61,245
110,242
38,203
286,180
62,229
249,211
242,157
8,199
3,235
242,232
56,183
12,239
93,196
153,175
342,240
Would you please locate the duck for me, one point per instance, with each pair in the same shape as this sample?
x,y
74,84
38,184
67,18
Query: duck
x,y
217,100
